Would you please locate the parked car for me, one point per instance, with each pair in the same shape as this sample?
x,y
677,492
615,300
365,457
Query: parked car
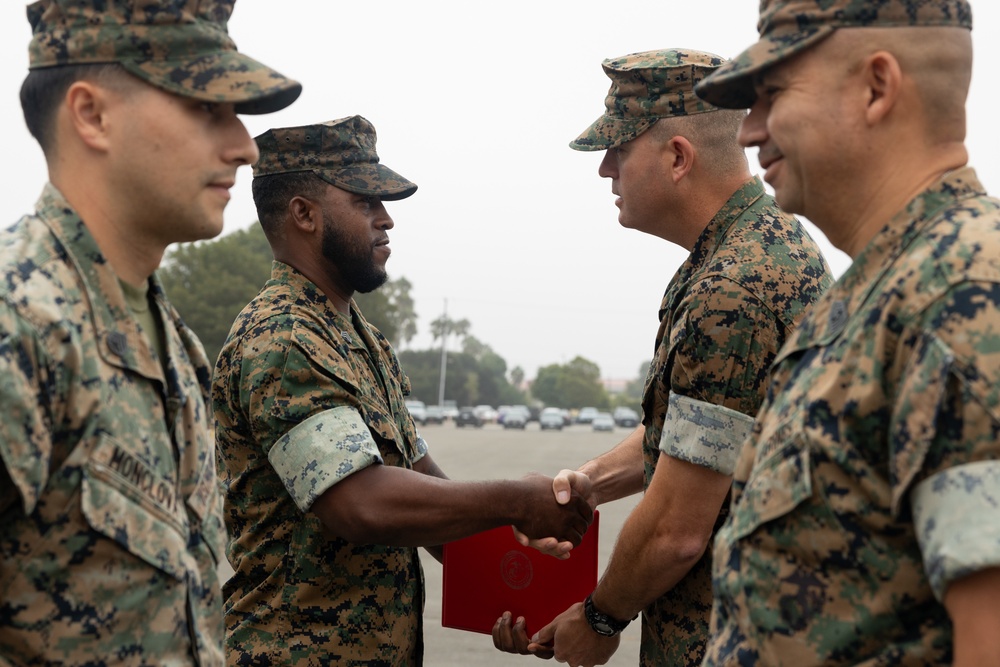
x,y
586,415
468,417
418,411
551,418
434,415
603,421
486,413
502,411
450,409
526,410
626,417
515,418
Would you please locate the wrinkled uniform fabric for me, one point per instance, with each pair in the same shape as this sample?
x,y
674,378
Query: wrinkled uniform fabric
x,y
723,318
302,595
110,521
888,390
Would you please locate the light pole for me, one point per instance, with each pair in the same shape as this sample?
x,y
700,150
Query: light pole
x,y
444,352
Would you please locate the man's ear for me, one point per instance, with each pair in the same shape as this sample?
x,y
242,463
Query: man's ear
x,y
87,107
883,78
683,157
305,214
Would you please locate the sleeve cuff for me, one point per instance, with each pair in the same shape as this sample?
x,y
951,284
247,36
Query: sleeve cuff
x,y
703,433
321,451
420,450
956,514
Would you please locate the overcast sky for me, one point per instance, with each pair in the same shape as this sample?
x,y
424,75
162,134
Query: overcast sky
x,y
476,103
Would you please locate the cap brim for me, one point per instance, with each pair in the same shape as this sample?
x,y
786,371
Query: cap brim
x,y
732,85
374,180
225,77
609,131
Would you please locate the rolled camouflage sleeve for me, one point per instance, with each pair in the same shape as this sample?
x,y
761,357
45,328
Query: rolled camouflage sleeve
x,y
321,451
723,348
420,448
305,416
286,384
704,434
945,434
957,518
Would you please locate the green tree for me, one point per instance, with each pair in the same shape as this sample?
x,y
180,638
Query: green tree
x,y
390,310
211,281
517,376
444,326
405,315
573,385
475,375
631,397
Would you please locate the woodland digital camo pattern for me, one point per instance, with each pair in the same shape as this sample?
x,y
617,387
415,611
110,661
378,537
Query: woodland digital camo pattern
x,y
723,318
787,27
891,379
181,46
111,527
341,152
645,87
301,595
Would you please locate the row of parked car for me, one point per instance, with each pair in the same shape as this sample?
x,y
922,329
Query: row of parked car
x,y
557,418
518,416
430,414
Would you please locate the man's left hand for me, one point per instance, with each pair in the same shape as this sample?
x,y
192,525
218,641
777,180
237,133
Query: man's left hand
x,y
572,640
512,638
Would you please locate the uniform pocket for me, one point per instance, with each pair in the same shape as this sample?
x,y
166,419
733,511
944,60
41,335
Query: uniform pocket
x,y
137,510
139,529
775,488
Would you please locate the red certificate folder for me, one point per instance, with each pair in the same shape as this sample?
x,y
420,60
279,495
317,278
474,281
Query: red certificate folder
x,y
489,573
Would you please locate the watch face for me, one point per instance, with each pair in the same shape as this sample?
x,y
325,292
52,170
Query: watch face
x,y
604,629
601,624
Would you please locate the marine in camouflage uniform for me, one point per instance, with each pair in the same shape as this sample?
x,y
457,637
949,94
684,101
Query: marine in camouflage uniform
x,y
110,516
309,400
864,514
299,595
726,313
751,272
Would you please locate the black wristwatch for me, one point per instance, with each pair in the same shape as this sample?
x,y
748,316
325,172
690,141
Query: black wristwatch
x,y
600,622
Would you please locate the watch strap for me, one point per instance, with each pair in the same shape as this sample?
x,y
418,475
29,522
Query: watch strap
x,y
600,622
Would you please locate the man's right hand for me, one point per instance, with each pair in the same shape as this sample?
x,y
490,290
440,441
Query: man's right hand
x,y
563,486
563,522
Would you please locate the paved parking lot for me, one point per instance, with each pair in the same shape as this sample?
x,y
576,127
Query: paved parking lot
x,y
489,453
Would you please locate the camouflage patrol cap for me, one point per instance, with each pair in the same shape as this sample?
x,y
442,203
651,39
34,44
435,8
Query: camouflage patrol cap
x,y
788,27
181,46
645,87
341,152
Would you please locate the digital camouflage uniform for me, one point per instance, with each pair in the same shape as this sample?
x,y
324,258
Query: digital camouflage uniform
x,y
870,481
110,515
305,396
111,529
871,478
725,314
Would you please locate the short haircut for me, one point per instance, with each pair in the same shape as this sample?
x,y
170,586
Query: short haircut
x,y
715,135
45,89
272,193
